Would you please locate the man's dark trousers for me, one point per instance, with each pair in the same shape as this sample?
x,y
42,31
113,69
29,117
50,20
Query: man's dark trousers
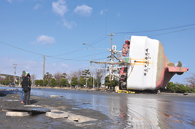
x,y
26,97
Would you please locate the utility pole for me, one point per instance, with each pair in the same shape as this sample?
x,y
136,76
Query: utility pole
x,y
43,66
112,56
15,73
94,64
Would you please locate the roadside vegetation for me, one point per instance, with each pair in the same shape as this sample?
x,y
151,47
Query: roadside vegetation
x,y
84,79
80,78
179,88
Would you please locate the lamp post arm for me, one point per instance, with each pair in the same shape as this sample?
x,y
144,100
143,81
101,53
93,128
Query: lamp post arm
x,y
94,61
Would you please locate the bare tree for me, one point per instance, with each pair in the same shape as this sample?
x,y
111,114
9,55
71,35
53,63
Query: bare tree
x,y
77,74
99,74
64,75
74,74
57,76
86,74
191,80
48,77
69,77
33,78
2,78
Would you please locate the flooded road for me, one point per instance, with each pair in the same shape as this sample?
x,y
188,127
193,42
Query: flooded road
x,y
133,110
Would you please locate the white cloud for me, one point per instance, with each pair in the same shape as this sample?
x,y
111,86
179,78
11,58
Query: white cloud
x,y
64,65
27,67
10,1
67,24
59,7
34,65
37,6
101,12
118,14
83,10
44,40
32,43
22,65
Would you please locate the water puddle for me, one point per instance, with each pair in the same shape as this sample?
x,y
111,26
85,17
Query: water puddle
x,y
10,100
132,111
76,108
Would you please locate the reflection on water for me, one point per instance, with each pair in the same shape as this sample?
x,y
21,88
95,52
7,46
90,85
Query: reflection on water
x,y
142,113
133,110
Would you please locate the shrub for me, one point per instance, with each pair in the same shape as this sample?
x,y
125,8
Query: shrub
x,y
53,82
45,82
74,81
63,82
192,90
182,89
171,87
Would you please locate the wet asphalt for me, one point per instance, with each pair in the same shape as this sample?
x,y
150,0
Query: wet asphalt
x,y
120,110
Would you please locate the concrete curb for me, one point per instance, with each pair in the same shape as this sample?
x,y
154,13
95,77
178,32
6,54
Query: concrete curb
x,y
57,114
21,114
80,118
62,114
54,96
178,94
32,106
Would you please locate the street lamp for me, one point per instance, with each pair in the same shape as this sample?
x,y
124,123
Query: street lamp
x,y
94,61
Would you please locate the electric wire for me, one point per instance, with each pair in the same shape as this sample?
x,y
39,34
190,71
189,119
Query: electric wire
x,y
91,43
156,29
20,48
103,37
38,53
172,32
83,56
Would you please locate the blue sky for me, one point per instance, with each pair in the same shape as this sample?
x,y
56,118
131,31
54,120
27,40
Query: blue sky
x,y
57,29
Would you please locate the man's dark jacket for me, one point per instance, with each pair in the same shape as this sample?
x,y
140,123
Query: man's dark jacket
x,y
26,85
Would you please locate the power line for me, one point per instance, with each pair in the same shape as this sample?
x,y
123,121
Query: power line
x,y
20,48
157,29
84,56
172,32
91,43
149,36
75,58
38,53
101,38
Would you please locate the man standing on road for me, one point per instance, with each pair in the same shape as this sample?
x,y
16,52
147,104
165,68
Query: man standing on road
x,y
26,85
22,96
